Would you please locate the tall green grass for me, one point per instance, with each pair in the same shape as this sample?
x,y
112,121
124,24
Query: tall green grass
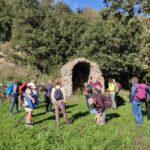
x,y
119,133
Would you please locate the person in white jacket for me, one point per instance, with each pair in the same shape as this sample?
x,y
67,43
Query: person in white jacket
x,y
58,99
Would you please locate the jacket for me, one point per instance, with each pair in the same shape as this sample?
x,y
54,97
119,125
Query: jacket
x,y
148,93
101,102
133,93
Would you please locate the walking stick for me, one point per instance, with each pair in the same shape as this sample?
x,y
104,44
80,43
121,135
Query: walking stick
x,y
19,121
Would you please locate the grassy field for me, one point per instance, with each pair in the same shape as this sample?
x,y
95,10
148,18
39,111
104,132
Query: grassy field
x,y
118,134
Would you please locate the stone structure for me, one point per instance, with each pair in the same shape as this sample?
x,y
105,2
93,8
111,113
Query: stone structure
x,y
78,71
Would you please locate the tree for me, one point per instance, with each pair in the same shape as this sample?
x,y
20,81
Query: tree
x,y
5,20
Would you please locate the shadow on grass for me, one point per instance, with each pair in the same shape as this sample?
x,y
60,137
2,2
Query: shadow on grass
x,y
39,114
70,106
49,118
120,101
79,115
46,119
111,116
40,106
144,112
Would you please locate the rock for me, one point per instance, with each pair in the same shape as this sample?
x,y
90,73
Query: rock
x,y
67,73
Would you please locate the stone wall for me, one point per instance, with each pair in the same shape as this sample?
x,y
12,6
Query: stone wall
x,y
67,72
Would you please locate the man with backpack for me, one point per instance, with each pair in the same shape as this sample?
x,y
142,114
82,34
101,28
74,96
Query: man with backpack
x,y
58,99
137,95
47,95
12,92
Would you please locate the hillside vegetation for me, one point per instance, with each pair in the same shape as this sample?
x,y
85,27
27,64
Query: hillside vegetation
x,y
48,34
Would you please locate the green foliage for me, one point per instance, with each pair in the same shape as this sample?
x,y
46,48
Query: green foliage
x,y
50,34
120,132
111,44
5,20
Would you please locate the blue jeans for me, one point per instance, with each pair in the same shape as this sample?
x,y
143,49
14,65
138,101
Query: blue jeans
x,y
112,97
13,102
137,111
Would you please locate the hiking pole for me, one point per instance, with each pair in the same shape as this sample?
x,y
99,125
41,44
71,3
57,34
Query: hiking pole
x,y
19,121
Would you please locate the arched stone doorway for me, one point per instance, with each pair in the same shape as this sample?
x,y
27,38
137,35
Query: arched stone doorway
x,y
80,75
78,71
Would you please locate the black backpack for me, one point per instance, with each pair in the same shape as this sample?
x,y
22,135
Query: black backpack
x,y
58,94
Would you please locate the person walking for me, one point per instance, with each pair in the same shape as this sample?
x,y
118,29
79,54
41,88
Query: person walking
x,y
135,102
58,99
47,95
112,93
13,93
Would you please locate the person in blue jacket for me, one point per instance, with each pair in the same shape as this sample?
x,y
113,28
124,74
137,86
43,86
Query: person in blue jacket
x,y
135,102
13,97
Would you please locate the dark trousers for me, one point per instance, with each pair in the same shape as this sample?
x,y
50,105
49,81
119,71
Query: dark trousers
x,y
48,104
148,109
13,103
87,103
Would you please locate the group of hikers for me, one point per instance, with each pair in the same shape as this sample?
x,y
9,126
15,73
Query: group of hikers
x,y
139,93
27,96
97,102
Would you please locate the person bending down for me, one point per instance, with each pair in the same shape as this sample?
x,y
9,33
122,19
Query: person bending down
x,y
58,99
101,103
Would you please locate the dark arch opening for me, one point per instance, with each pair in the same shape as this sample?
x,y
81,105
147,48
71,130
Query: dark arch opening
x,y
80,75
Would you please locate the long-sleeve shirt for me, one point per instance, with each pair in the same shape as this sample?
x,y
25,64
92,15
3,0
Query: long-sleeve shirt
x,y
14,90
133,92
48,90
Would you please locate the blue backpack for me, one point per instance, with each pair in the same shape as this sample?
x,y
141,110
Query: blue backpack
x,y
9,89
58,94
28,102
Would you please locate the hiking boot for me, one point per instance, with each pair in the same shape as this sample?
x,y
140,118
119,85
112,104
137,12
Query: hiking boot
x,y
102,123
29,124
68,123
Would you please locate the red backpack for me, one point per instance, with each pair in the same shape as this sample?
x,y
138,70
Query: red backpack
x,y
141,92
22,88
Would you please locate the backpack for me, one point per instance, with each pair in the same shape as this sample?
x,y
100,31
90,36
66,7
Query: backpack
x,y
58,94
22,88
118,87
9,89
141,92
28,102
